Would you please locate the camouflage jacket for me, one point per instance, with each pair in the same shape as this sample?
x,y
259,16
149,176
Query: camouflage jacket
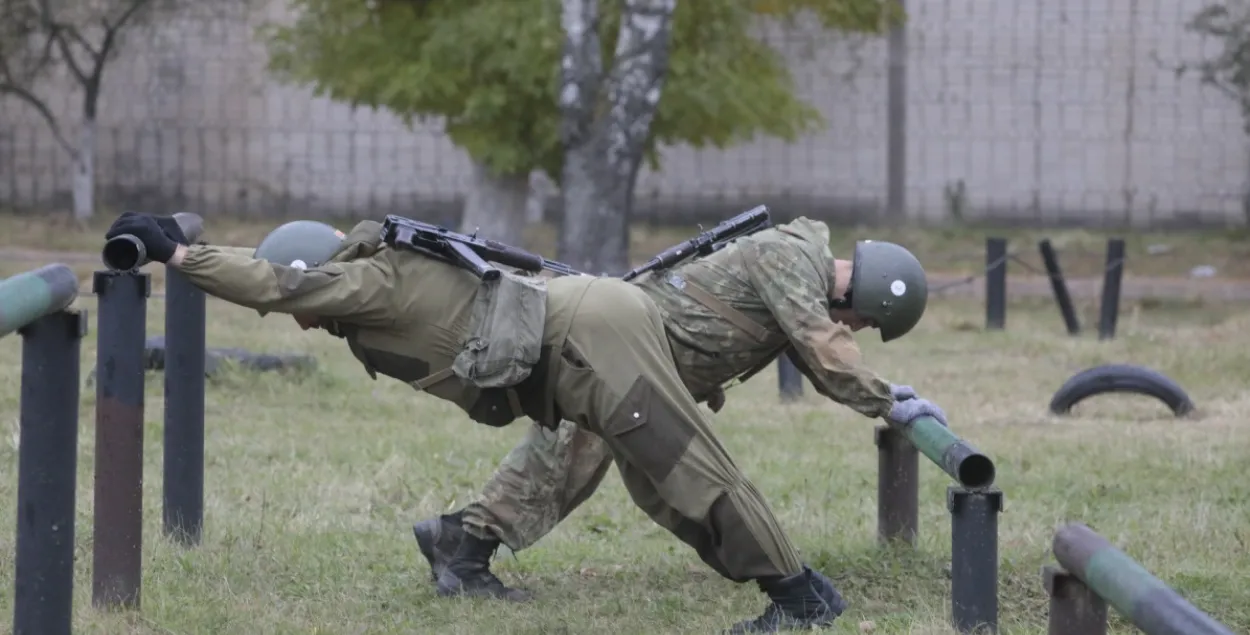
x,y
402,314
767,293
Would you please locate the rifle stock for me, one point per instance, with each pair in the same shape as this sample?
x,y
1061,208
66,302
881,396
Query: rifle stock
x,y
470,252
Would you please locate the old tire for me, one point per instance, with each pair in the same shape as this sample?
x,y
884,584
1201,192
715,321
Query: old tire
x,y
1121,378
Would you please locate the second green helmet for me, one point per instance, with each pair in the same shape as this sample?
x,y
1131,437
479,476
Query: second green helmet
x,y
302,243
888,286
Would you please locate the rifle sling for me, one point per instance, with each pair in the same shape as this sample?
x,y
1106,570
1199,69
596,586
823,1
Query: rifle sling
x,y
715,305
514,400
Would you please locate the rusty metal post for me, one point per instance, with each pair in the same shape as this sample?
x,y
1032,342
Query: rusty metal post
x,y
898,487
974,558
117,553
47,474
1074,608
183,496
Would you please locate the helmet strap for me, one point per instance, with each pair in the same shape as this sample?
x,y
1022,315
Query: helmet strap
x,y
844,303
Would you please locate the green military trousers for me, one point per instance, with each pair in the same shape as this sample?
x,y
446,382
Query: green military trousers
x,y
546,476
616,380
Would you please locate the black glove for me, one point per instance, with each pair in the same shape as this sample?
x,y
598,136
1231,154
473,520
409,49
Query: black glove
x,y
160,235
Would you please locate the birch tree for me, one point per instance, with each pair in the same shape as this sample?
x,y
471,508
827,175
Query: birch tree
x,y
489,71
604,146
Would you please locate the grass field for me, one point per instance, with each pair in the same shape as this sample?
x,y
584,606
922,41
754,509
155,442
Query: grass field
x,y
313,482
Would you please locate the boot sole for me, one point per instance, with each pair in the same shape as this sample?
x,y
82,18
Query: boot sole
x,y
449,586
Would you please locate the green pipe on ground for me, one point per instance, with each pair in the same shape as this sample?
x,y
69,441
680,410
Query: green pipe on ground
x,y
1144,599
33,294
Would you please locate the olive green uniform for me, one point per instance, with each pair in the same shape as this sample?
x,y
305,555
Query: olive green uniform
x,y
726,314
607,366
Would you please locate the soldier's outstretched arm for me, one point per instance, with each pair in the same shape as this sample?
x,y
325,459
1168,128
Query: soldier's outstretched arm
x,y
796,291
358,291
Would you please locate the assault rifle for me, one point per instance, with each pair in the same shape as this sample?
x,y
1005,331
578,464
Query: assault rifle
x,y
470,252
707,242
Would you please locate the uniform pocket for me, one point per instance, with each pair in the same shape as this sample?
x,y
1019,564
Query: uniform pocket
x,y
648,431
493,408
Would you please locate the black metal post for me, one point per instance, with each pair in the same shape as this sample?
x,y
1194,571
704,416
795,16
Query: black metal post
x,y
995,283
184,408
898,487
117,552
43,590
1060,287
1074,608
1110,310
974,558
789,379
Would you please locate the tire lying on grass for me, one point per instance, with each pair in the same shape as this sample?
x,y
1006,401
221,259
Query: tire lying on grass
x,y
1121,378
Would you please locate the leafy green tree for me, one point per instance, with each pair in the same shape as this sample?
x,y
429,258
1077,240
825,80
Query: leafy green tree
x,y
490,71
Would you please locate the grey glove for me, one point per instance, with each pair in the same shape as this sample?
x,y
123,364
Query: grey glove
x,y
907,411
902,393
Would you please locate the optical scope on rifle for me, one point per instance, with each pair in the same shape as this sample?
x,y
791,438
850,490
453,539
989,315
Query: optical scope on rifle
x,y
469,252
707,242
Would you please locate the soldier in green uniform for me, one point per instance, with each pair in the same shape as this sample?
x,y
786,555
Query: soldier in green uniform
x,y
727,315
589,350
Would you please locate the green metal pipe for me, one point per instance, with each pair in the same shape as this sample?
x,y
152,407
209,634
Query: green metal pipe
x,y
127,253
964,463
33,294
1144,599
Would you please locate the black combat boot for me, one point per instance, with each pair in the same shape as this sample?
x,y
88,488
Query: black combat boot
x,y
803,601
460,561
438,538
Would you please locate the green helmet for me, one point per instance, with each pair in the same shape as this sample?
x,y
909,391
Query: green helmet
x,y
888,286
301,243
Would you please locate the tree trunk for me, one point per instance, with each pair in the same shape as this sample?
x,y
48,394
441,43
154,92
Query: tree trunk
x,y
594,237
536,204
603,147
495,206
82,181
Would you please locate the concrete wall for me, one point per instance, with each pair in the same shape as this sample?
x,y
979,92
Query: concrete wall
x,y
1041,110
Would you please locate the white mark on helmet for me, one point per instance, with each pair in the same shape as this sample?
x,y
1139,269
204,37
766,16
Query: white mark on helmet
x,y
898,287
299,264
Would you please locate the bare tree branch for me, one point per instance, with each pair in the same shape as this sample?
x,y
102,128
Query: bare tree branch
x,y
71,62
34,102
77,37
121,21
